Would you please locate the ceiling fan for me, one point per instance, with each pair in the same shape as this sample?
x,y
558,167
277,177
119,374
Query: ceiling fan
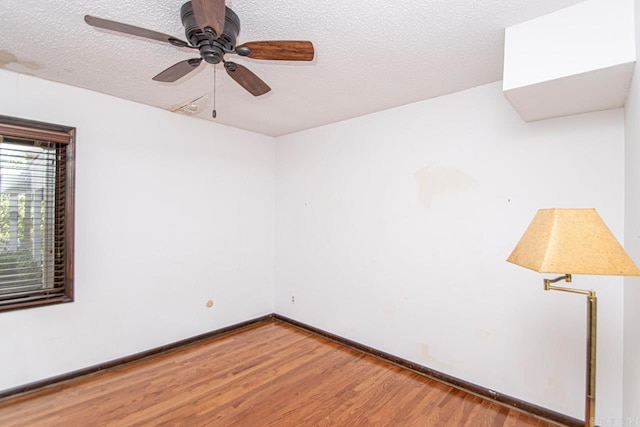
x,y
212,29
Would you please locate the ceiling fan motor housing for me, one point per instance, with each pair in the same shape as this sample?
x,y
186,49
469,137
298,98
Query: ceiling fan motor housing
x,y
211,51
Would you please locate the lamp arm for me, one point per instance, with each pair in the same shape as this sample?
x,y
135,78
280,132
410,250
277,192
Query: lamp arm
x,y
567,277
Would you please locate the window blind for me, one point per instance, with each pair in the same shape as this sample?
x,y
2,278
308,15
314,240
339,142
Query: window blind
x,y
35,222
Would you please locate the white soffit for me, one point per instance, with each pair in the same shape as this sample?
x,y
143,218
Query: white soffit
x,y
572,61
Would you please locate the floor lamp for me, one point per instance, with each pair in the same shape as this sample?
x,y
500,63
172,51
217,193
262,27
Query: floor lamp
x,y
574,241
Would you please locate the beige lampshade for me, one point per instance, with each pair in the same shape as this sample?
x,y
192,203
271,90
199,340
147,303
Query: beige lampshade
x,y
571,241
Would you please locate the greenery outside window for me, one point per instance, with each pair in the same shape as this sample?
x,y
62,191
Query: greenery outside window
x,y
37,169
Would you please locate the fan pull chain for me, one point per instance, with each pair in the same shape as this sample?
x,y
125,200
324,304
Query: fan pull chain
x,y
214,93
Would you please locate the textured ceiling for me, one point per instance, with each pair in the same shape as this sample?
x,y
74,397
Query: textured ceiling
x,y
370,55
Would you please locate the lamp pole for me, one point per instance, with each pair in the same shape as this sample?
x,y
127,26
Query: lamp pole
x,y
592,314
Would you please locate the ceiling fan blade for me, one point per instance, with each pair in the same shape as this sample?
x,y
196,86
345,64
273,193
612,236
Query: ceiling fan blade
x,y
209,14
178,70
133,30
246,78
279,50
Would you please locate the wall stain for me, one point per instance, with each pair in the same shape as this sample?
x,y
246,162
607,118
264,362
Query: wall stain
x,y
389,309
437,180
428,360
482,335
7,58
424,352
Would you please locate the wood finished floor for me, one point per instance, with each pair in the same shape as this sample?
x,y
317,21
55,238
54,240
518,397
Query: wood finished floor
x,y
270,374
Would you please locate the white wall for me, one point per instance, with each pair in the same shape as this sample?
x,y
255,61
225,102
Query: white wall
x,y
170,212
632,244
393,229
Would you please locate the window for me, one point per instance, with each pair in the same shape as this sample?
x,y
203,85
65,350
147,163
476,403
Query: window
x,y
36,213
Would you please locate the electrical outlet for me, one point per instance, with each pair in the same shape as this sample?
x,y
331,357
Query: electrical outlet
x,y
293,299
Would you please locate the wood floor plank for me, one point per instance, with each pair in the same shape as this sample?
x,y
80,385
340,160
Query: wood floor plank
x,y
268,374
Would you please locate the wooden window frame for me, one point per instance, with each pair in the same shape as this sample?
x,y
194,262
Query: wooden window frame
x,y
64,137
